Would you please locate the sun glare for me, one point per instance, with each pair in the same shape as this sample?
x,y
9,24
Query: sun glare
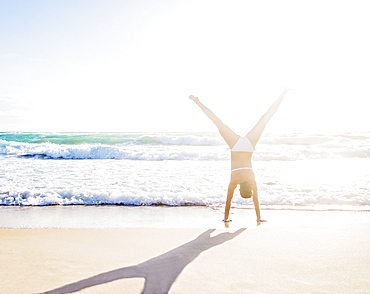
x,y
237,56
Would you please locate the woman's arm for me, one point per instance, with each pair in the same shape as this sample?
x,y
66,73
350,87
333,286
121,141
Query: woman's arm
x,y
255,134
257,206
230,194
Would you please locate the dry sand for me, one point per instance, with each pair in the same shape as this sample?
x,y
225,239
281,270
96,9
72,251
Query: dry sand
x,y
265,259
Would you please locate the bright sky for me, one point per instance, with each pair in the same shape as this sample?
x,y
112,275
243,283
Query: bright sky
x,y
113,65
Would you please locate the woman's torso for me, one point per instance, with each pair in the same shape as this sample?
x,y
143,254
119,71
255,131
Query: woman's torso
x,y
241,159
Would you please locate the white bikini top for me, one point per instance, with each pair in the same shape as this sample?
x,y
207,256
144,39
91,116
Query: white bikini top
x,y
243,145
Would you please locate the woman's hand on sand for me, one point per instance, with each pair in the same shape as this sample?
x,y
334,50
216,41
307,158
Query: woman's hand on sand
x,y
259,221
227,222
195,99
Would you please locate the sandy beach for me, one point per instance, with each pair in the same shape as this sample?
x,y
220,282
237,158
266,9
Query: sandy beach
x,y
301,258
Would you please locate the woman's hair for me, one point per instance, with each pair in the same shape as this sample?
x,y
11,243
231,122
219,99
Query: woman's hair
x,y
246,190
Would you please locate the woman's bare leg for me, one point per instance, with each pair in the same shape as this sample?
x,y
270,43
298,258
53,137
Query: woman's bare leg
x,y
227,134
255,134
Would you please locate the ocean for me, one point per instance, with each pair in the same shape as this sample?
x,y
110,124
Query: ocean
x,y
294,171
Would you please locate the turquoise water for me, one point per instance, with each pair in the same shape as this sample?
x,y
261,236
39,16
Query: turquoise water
x,y
295,171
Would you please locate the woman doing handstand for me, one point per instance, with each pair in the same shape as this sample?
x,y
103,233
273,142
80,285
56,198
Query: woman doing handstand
x,y
241,155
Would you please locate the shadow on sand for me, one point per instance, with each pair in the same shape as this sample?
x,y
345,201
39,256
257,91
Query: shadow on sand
x,y
159,272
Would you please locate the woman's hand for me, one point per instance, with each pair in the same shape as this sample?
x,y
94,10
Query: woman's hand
x,y
259,221
227,220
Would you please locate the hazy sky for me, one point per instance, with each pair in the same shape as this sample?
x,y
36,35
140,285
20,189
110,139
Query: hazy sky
x,y
94,65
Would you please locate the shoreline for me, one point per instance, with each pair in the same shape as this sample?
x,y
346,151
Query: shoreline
x,y
120,217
